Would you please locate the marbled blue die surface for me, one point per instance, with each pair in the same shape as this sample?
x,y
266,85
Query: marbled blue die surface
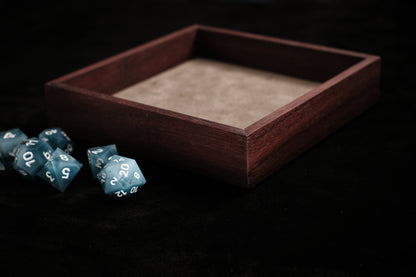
x,y
121,177
31,155
57,138
99,156
60,170
9,140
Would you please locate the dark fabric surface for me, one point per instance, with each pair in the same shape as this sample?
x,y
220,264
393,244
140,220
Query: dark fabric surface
x,y
344,208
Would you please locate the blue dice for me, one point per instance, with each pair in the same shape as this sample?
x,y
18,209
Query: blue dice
x,y
9,140
99,156
60,170
57,138
31,155
2,167
121,177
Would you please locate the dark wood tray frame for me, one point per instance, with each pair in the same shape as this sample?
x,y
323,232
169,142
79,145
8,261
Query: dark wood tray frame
x,y
82,103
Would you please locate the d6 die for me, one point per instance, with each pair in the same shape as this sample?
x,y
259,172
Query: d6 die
x,y
121,177
57,138
99,156
60,170
9,140
31,156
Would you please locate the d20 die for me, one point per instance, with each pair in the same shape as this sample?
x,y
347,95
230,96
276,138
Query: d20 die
x,y
99,156
9,140
57,138
121,177
31,156
60,170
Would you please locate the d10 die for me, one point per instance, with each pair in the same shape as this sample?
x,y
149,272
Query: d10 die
x,y
57,138
60,170
99,156
31,156
9,140
121,177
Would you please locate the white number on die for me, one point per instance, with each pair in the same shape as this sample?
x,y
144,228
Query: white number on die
x,y
9,135
50,132
134,189
28,156
49,175
97,151
99,162
47,155
32,142
120,193
102,177
65,135
136,175
68,149
113,182
65,173
124,171
64,157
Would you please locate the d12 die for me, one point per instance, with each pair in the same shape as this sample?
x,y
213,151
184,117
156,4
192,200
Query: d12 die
x,y
99,156
9,140
57,138
60,170
31,156
121,177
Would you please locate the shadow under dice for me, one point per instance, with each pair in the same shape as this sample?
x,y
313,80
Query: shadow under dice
x,y
9,140
31,155
57,139
121,177
60,170
99,156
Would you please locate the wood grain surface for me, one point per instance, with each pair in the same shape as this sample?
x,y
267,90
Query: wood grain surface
x,y
82,103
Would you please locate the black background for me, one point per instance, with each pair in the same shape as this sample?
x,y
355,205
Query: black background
x,y
344,208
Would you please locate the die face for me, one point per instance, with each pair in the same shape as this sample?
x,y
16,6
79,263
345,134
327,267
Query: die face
x,y
31,156
57,138
9,140
98,157
2,167
60,170
121,177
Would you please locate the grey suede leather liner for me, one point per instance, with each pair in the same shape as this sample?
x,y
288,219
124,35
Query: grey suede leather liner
x,y
225,93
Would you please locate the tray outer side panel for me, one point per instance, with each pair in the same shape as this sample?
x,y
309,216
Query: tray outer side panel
x,y
276,140
145,132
